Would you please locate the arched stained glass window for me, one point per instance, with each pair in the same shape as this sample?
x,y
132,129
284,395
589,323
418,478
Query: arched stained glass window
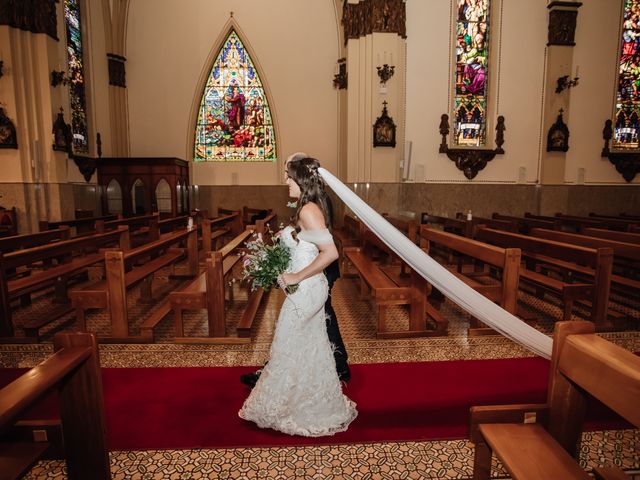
x,y
234,121
76,77
472,49
627,108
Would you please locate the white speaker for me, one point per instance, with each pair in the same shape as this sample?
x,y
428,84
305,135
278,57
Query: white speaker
x,y
405,164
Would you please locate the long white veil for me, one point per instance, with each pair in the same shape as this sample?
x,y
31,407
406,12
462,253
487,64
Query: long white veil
x,y
456,290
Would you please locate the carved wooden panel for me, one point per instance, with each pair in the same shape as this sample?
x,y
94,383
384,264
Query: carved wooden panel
x,y
37,16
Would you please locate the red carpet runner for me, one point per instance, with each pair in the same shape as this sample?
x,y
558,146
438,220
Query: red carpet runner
x,y
184,408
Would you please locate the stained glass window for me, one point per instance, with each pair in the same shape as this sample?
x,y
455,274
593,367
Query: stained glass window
x,y
76,77
234,119
472,48
627,110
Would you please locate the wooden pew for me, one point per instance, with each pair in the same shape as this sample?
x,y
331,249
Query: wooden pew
x,y
170,224
408,226
541,441
207,291
265,225
495,223
538,249
625,255
387,286
507,260
214,229
74,371
608,223
20,242
248,214
124,270
142,229
348,233
81,225
625,237
525,224
68,265
452,225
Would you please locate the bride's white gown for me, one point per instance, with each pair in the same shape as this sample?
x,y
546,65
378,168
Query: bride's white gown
x,y
298,391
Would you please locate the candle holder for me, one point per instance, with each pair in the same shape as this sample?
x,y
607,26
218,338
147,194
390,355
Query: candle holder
x,y
385,73
564,83
58,77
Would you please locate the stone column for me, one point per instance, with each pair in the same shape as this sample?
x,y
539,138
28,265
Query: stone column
x,y
559,76
375,34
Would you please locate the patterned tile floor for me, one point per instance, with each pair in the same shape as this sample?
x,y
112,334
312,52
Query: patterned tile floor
x,y
411,460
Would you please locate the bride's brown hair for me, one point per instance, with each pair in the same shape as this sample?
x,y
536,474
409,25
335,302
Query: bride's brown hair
x,y
305,173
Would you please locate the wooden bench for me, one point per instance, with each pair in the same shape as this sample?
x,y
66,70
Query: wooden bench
x,y
167,225
124,270
388,285
68,266
74,371
21,242
507,260
525,224
214,229
265,225
541,441
495,223
251,215
142,229
618,224
625,237
348,233
207,291
625,255
571,223
81,225
600,260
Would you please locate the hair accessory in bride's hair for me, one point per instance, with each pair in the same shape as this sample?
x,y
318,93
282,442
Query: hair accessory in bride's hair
x,y
313,170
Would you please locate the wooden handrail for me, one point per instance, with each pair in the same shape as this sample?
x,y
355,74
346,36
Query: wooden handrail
x,y
26,389
75,370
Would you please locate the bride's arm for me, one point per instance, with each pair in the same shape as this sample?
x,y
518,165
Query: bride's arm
x,y
311,218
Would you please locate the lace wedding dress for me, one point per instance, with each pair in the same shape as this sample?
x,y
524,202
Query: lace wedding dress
x,y
298,391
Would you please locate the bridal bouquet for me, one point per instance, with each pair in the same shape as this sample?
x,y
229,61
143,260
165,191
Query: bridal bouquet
x,y
265,261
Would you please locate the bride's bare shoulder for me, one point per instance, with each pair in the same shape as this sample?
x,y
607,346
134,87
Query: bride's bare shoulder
x,y
311,217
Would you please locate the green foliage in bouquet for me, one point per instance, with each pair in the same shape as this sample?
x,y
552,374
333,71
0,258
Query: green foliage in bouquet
x,y
264,262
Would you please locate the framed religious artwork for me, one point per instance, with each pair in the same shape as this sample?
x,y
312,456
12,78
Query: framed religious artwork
x,y
558,136
8,137
384,130
62,136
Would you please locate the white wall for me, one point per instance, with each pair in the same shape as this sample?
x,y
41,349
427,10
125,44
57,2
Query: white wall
x,y
170,46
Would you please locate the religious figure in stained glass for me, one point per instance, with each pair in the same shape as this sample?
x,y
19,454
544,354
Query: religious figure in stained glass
x,y
628,96
471,72
234,120
77,94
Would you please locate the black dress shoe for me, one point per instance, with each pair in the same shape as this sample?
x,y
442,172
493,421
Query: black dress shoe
x,y
250,379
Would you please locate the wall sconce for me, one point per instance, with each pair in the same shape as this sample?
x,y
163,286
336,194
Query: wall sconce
x,y
564,83
58,77
340,78
385,73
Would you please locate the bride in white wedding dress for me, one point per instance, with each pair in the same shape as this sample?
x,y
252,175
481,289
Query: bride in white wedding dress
x,y
298,391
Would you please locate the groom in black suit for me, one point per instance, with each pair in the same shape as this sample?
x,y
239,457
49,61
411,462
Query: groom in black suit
x,y
332,272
